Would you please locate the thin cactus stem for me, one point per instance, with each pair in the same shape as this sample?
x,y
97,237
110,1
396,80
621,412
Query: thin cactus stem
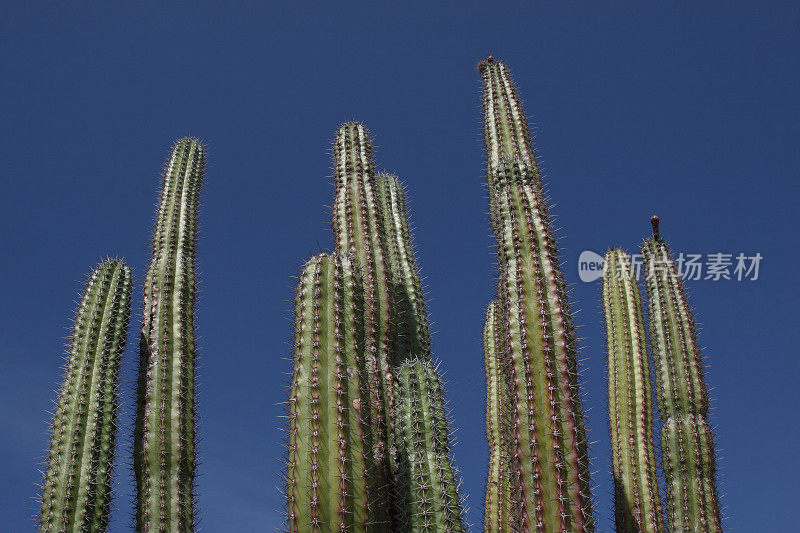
x,y
687,444
636,499
164,449
76,494
428,477
498,491
358,230
331,482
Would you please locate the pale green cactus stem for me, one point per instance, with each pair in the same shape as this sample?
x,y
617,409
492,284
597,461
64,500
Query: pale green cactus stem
x,y
637,507
164,448
551,471
498,492
331,481
687,444
428,477
358,230
76,494
411,318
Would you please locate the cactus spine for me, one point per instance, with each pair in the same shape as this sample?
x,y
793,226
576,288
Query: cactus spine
x,y
76,495
164,448
426,487
331,475
497,498
636,499
686,440
550,471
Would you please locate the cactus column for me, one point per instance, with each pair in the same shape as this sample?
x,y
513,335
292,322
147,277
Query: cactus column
x,y
76,495
331,471
164,449
686,441
636,500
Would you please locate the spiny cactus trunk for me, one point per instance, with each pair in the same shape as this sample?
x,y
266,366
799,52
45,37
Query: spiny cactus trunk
x,y
636,499
498,491
164,448
550,470
332,478
424,498
358,230
427,476
686,441
76,495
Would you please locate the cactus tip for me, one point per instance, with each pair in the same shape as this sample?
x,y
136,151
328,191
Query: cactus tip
x,y
483,63
654,222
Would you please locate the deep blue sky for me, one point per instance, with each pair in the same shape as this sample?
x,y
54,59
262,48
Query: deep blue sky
x,y
691,112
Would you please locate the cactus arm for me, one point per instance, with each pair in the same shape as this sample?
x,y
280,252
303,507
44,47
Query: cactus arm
x,y
164,449
76,494
497,498
331,482
637,503
687,443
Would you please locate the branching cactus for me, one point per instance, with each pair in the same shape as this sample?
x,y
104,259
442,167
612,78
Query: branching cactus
x,y
76,495
164,449
331,481
358,230
686,441
428,477
498,492
550,467
636,500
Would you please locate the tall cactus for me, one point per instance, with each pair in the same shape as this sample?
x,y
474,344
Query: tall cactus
x,y
425,491
636,500
76,495
428,477
164,449
687,444
331,470
358,230
550,474
497,498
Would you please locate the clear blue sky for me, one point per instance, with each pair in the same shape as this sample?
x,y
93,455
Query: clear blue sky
x,y
690,111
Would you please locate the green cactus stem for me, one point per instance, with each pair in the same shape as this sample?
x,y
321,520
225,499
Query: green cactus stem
x,y
164,448
428,477
331,481
636,499
411,319
358,230
76,494
550,473
687,444
498,491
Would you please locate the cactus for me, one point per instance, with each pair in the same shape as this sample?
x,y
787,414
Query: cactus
x,y
497,498
76,495
550,471
423,497
358,230
331,481
428,478
164,449
636,499
686,441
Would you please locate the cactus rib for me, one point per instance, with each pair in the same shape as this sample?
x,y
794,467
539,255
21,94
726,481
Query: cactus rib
x,y
76,495
164,448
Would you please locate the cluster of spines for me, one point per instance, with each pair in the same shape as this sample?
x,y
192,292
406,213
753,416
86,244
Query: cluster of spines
x,y
427,480
331,482
636,498
164,448
550,471
76,495
686,440
358,230
498,491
